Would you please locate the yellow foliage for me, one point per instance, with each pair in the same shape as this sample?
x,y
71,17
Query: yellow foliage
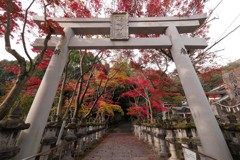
x,y
120,72
84,110
110,108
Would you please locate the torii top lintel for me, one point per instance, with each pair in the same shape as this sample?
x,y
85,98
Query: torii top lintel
x,y
143,25
119,26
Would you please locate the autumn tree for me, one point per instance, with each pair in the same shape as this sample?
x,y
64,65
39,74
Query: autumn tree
x,y
14,20
148,93
102,87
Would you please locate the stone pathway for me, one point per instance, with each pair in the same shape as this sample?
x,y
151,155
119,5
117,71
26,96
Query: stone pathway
x,y
121,144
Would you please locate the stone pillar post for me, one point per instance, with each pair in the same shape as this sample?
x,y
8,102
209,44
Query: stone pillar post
x,y
149,136
69,138
100,131
139,131
81,134
183,138
145,134
172,149
96,133
163,145
135,127
44,98
194,132
198,142
103,130
87,138
91,134
141,134
95,128
9,131
211,136
156,139
48,139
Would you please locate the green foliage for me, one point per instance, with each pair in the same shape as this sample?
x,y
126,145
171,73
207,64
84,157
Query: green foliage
x,y
25,104
6,75
232,65
74,68
2,89
211,79
39,74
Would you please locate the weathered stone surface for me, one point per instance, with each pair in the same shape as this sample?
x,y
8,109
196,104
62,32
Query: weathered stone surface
x,y
53,125
9,130
13,122
141,25
132,43
70,137
80,134
119,26
49,140
9,152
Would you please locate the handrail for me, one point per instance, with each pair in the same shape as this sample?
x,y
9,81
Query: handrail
x,y
197,152
175,142
60,146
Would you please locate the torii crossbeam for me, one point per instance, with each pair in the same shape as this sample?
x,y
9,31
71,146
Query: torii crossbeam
x,y
119,27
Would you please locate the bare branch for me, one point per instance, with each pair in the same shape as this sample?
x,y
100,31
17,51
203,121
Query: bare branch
x,y
23,33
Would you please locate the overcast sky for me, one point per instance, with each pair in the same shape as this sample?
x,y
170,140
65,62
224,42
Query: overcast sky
x,y
225,14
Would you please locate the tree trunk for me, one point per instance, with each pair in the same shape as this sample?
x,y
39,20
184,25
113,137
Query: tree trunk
x,y
12,96
61,97
23,76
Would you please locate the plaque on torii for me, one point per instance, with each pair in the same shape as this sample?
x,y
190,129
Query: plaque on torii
x,y
119,26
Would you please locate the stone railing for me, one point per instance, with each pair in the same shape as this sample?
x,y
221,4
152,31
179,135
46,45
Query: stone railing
x,y
169,140
9,132
231,132
74,141
57,142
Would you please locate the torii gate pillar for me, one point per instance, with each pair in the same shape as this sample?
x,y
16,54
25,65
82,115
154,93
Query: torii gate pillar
x,y
38,114
212,140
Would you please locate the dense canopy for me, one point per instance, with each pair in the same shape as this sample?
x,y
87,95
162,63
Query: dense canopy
x,y
97,83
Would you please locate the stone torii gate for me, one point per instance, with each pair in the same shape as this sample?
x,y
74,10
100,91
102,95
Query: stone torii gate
x,y
119,26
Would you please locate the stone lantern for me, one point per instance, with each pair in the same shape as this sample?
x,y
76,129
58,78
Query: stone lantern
x,y
9,131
